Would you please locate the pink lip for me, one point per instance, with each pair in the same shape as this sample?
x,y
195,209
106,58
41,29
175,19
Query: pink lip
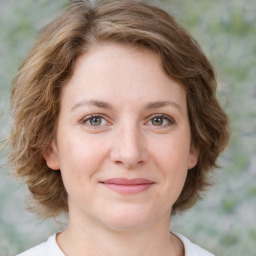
x,y
128,186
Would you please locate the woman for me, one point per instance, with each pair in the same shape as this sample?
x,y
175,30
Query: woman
x,y
116,123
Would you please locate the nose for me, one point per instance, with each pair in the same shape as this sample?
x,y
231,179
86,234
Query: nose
x,y
129,148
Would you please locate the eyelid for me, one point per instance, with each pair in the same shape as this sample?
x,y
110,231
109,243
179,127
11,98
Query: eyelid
x,y
88,117
170,119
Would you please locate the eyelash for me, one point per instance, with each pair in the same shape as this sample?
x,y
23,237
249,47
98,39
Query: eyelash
x,y
90,117
170,120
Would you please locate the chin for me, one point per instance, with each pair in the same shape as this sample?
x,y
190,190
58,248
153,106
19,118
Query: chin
x,y
128,219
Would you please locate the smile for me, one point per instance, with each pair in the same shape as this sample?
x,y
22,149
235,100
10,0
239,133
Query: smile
x,y
128,186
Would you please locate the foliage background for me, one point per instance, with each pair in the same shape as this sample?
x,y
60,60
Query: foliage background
x,y
225,221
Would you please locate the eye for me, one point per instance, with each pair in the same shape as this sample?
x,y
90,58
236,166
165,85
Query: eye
x,y
157,121
161,120
94,120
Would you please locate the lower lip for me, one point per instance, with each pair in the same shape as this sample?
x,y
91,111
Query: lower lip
x,y
128,189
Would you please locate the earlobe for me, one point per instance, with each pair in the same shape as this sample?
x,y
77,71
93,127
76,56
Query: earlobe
x,y
51,156
193,156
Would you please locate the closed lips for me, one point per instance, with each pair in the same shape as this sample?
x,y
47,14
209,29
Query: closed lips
x,y
124,181
128,186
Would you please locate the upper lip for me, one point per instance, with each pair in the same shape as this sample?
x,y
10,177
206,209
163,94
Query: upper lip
x,y
125,181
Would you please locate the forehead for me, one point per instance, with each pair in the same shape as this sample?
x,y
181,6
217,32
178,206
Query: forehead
x,y
118,53
116,71
114,58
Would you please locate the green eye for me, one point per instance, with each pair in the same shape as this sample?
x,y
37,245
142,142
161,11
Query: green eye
x,y
95,121
158,121
161,120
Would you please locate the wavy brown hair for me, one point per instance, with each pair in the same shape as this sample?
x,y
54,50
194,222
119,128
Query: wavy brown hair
x,y
35,95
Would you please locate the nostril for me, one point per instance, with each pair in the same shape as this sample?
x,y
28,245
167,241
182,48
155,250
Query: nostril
x,y
129,164
128,149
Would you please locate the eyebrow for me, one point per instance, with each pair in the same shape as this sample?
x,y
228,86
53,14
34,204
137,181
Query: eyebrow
x,y
160,104
97,103
106,105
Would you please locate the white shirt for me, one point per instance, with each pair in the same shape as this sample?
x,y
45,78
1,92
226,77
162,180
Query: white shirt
x,y
51,248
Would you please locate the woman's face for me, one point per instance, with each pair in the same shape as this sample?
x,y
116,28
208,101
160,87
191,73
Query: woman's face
x,y
123,139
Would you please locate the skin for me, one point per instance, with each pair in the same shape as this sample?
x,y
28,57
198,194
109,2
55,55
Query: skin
x,y
125,87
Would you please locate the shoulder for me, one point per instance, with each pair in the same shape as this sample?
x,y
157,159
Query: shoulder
x,y
48,248
39,250
192,249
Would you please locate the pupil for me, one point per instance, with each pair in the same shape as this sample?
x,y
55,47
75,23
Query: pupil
x,y
95,121
158,121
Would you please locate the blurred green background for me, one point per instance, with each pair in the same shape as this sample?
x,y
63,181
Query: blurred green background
x,y
224,222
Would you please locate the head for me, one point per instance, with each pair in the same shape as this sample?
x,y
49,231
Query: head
x,y
37,89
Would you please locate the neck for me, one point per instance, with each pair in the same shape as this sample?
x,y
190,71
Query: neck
x,y
91,239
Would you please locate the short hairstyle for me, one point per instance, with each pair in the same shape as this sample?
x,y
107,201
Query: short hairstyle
x,y
36,90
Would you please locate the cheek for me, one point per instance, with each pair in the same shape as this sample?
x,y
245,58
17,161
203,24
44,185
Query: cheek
x,y
172,153
174,170
171,157
79,159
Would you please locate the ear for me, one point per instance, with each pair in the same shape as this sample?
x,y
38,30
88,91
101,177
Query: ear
x,y
51,156
192,158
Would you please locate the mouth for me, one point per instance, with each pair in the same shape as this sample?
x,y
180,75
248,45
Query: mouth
x,y
128,186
